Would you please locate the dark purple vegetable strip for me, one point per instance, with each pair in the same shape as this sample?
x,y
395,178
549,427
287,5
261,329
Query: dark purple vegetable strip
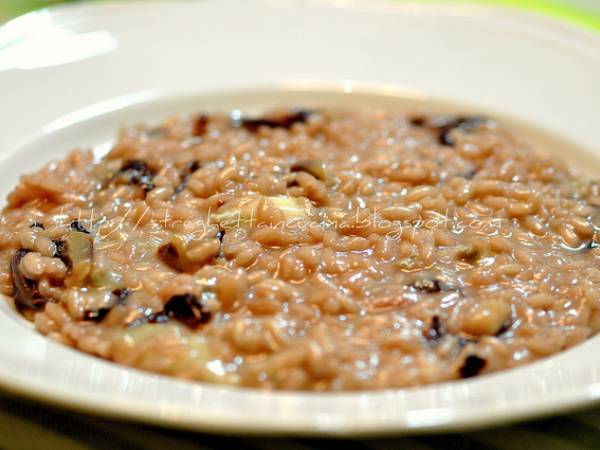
x,y
77,225
190,169
472,365
435,331
186,308
284,121
100,314
25,291
200,125
135,172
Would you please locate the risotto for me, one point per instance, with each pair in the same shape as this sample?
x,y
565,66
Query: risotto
x,y
308,250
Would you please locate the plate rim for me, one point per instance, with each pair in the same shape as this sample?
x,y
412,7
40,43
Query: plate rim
x,y
78,401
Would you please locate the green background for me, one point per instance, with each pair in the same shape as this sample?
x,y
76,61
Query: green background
x,y
585,13
11,8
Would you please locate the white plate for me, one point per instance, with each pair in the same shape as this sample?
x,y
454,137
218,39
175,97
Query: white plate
x,y
70,76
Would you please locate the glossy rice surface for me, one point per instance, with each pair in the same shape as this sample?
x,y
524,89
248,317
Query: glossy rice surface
x,y
308,250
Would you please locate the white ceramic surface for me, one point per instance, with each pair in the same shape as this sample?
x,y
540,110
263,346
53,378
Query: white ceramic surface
x,y
70,76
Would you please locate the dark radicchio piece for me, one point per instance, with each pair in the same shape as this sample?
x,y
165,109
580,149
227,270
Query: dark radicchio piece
x,y
187,309
444,125
77,225
186,175
199,126
471,366
119,296
592,244
96,316
27,297
285,120
431,282
136,173
466,124
173,254
435,331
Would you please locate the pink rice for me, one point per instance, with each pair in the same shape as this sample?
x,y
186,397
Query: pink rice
x,y
327,250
